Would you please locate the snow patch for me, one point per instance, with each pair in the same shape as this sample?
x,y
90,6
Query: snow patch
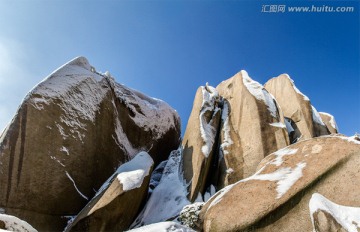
x,y
132,179
316,116
207,131
72,180
347,217
278,124
163,227
226,130
131,174
15,224
64,149
260,93
281,153
285,177
168,198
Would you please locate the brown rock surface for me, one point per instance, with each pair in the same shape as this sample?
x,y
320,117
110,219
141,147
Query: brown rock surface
x,y
199,143
296,106
276,198
69,135
116,205
252,127
330,122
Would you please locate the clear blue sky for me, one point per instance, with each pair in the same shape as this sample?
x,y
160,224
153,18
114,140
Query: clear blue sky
x,y
167,49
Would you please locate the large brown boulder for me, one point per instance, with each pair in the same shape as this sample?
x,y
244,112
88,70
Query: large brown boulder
x,y
276,197
330,122
252,127
68,136
118,201
199,143
297,107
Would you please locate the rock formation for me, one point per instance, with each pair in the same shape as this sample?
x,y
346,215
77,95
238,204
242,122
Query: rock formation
x,y
69,135
83,147
252,127
296,107
329,121
276,197
118,201
199,143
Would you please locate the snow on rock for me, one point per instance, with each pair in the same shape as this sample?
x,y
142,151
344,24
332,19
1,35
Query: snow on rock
x,y
347,217
15,224
284,177
163,227
331,121
168,198
76,105
226,131
132,173
260,93
278,124
316,116
208,132
296,89
281,153
144,108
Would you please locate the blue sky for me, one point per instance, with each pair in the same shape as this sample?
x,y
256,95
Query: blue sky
x,y
167,49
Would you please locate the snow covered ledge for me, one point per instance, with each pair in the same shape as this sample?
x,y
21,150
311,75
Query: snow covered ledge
x,y
328,216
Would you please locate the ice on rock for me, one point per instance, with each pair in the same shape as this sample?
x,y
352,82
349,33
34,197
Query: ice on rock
x,y
168,198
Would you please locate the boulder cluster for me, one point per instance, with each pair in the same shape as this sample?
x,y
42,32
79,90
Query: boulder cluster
x,y
84,153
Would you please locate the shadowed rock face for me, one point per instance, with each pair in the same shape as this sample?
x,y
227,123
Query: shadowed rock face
x,y
69,135
297,107
252,127
276,198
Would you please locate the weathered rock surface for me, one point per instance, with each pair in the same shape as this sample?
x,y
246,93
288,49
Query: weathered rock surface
x,y
327,216
199,143
117,203
12,223
276,198
252,127
297,107
329,121
69,135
